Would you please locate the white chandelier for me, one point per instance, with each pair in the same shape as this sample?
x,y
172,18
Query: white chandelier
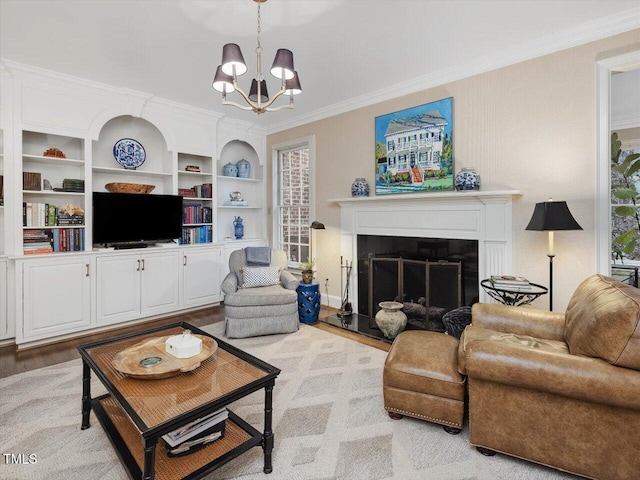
x,y
258,100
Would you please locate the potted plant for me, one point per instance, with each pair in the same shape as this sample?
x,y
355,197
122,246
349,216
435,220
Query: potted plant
x,y
307,270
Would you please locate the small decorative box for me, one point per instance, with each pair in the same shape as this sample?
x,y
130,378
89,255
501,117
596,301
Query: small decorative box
x,y
183,346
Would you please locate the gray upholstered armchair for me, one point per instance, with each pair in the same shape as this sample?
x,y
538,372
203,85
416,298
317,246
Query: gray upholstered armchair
x,y
259,299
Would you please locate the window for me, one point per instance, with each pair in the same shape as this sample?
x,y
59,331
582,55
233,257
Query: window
x,y
292,215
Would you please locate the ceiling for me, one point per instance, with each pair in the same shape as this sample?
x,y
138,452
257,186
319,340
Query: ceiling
x,y
348,53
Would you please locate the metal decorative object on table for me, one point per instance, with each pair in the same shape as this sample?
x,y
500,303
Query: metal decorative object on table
x,y
513,295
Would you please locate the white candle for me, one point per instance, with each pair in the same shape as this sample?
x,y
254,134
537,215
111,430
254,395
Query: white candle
x,y
550,244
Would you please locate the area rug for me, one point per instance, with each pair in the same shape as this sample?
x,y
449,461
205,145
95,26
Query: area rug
x,y
328,417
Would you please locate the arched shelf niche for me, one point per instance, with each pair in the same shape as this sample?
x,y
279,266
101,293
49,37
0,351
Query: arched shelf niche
x,y
251,189
157,168
235,150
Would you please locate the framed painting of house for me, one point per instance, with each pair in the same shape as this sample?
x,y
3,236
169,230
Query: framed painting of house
x,y
414,149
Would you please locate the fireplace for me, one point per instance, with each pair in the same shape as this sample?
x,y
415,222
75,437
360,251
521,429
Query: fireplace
x,y
437,221
429,276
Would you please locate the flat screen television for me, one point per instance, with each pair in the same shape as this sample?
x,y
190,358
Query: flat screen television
x,y
124,219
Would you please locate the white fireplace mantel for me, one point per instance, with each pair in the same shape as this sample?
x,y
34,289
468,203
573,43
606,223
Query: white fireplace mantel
x,y
484,215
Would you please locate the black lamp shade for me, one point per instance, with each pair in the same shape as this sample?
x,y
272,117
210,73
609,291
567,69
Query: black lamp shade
x,y
293,86
283,64
222,82
316,225
232,56
550,216
253,92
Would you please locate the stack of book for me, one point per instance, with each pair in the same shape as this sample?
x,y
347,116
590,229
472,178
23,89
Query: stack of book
x,y
36,241
509,282
197,434
73,185
64,220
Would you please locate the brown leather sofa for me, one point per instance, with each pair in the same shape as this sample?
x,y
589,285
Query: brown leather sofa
x,y
559,389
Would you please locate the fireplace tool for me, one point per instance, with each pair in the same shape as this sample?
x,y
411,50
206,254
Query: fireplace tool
x,y
345,307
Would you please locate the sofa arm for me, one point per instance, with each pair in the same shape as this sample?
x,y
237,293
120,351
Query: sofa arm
x,y
583,378
288,280
519,320
230,283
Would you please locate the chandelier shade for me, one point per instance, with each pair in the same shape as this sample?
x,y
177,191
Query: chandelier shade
x,y
258,100
232,57
293,86
283,64
253,93
223,82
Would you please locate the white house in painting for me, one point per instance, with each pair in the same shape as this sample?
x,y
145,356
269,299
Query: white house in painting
x,y
414,145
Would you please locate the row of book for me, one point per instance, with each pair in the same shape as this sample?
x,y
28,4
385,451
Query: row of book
x,y
47,215
196,213
200,191
196,435
36,241
193,235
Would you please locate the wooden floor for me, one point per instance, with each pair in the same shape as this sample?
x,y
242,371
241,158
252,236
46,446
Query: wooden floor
x,y
13,361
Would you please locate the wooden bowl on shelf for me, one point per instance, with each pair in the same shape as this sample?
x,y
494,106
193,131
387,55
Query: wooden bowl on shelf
x,y
119,187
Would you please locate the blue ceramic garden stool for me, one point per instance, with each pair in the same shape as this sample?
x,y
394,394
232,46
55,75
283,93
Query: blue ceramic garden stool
x,y
308,302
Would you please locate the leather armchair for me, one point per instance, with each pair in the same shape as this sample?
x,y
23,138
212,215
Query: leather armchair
x,y
559,389
262,310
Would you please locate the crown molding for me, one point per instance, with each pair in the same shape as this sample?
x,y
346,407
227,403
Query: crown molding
x,y
621,22
29,72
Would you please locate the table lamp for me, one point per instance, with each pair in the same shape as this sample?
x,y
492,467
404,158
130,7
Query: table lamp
x,y
548,217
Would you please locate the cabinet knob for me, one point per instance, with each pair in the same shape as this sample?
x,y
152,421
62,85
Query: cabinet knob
x,y
184,260
143,264
138,269
87,272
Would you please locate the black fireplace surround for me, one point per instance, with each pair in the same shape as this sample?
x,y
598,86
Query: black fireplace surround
x,y
430,276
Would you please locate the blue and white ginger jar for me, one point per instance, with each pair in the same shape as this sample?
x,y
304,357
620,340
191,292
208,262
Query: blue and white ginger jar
x,y
244,168
230,170
467,179
359,188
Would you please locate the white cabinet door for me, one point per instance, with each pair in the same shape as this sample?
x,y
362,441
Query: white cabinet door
x,y
160,282
56,296
4,326
118,293
200,276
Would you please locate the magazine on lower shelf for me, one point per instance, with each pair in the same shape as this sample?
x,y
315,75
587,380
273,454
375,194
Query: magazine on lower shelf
x,y
198,441
196,427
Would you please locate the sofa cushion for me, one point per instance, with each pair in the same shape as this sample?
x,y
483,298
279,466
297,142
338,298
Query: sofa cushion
x,y
261,296
473,334
602,321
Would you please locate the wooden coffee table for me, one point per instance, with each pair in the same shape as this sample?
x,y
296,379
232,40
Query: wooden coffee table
x,y
136,412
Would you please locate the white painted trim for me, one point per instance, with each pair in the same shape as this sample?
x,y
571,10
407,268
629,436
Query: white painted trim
x,y
40,74
587,32
485,216
602,212
310,142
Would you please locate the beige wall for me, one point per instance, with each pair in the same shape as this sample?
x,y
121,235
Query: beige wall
x,y
529,126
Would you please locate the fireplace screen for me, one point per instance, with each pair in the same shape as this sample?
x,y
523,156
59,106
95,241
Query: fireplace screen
x,y
428,290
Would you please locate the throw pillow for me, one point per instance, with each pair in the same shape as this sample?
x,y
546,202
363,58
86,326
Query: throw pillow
x,y
260,276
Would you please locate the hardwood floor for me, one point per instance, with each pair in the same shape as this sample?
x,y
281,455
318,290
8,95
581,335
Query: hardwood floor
x,y
13,361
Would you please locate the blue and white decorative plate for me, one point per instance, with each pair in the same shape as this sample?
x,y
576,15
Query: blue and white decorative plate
x,y
129,153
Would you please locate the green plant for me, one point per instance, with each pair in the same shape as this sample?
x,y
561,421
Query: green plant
x,y
308,265
626,190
